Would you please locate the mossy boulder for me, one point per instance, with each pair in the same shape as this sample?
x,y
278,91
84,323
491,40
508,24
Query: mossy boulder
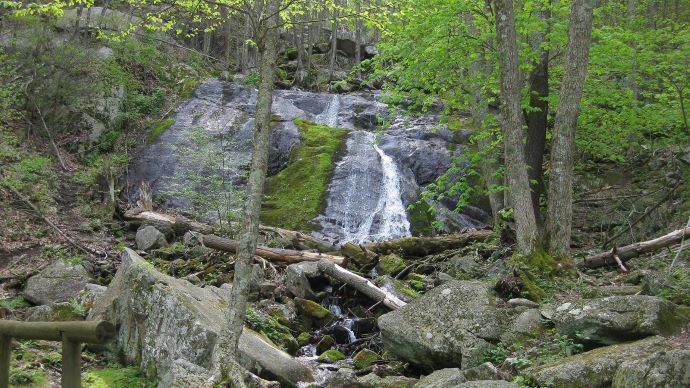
x,y
617,319
661,369
595,368
303,338
325,344
396,287
57,312
317,313
454,377
391,264
331,356
364,358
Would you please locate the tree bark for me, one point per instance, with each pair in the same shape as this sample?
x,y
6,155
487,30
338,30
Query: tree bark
x,y
334,44
560,200
512,127
422,246
275,254
266,34
633,250
361,284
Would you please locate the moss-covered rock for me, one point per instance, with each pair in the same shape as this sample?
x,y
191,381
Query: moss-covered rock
x,y
303,338
116,378
295,195
325,344
595,368
331,356
364,358
159,128
662,369
391,264
321,315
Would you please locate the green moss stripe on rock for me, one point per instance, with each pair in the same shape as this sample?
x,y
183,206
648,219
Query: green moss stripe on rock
x,y
159,129
294,196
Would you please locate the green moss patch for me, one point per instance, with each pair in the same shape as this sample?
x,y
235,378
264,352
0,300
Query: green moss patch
x,y
159,129
365,358
272,329
391,264
295,195
331,356
116,378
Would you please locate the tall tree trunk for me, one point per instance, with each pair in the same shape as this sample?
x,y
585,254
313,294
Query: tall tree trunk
x,y
266,40
537,117
479,110
560,201
512,128
334,44
358,38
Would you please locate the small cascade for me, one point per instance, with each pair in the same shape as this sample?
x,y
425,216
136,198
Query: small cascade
x,y
329,116
347,325
394,217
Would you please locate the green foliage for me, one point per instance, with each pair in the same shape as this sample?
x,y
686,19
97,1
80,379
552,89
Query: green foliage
x,y
26,377
123,377
32,176
14,303
678,290
271,328
252,79
159,129
294,196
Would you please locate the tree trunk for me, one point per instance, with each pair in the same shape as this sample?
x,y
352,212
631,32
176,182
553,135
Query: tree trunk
x,y
275,254
358,37
266,34
512,128
633,250
334,45
537,117
423,246
560,201
479,110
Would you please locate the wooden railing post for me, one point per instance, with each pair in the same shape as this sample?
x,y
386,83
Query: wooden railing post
x,y
71,363
5,353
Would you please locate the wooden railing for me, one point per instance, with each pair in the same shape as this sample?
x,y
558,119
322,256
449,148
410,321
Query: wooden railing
x,y
72,335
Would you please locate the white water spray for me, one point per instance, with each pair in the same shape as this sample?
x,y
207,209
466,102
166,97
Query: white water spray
x,y
329,116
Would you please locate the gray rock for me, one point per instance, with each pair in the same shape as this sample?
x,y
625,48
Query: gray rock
x,y
595,368
662,369
184,374
58,282
451,326
161,319
616,319
488,384
105,52
523,302
373,381
452,377
148,237
57,312
297,279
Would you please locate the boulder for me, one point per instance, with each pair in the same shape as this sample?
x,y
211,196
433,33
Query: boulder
x,y
297,279
595,368
59,282
320,315
616,319
149,237
452,326
487,384
57,312
373,381
184,374
661,369
161,319
452,377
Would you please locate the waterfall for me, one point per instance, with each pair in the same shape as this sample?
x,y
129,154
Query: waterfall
x,y
388,219
329,116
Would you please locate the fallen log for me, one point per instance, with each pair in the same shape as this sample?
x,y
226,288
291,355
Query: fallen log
x,y
181,225
275,254
633,250
360,284
422,246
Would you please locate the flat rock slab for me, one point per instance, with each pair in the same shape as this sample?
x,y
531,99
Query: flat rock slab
x,y
161,319
617,319
595,368
59,282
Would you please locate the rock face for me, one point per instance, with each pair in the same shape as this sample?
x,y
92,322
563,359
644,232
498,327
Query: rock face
x,y
297,278
595,368
453,377
662,369
616,319
58,282
161,319
54,313
149,237
452,326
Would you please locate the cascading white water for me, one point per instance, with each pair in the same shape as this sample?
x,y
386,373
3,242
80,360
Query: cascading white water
x,y
329,116
389,211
